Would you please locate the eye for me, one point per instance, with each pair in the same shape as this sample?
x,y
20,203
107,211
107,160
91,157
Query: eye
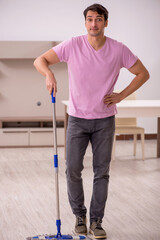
x,y
89,19
99,19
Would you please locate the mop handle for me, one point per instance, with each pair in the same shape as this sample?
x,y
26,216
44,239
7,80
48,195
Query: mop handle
x,y
58,221
54,123
55,157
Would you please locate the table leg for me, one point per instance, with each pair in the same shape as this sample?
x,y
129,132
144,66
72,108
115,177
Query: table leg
x,y
158,138
65,130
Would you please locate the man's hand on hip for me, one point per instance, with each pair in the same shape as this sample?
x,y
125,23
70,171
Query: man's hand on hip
x,y
112,99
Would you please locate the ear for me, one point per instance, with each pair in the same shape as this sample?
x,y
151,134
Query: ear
x,y
106,23
85,23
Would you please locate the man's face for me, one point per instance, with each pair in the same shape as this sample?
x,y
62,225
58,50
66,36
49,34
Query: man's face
x,y
95,23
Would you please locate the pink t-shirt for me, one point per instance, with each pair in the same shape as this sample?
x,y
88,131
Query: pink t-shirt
x,y
92,74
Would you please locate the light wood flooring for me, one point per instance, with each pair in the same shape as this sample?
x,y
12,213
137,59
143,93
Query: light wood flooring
x,y
27,193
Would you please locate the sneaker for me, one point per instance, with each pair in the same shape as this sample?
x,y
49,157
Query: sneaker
x,y
97,230
80,226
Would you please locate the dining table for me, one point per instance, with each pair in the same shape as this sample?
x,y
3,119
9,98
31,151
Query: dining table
x,y
128,109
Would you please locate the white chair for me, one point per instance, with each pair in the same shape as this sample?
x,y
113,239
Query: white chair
x,y
128,126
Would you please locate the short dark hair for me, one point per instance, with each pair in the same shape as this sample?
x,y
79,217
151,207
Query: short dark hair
x,y
97,8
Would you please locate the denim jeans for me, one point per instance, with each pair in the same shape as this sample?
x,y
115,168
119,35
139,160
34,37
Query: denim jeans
x,y
100,133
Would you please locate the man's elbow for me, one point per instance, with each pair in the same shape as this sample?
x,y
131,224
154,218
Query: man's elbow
x,y
147,75
35,62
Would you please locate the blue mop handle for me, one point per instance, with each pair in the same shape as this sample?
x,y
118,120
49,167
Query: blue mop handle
x,y
58,221
54,125
56,161
53,98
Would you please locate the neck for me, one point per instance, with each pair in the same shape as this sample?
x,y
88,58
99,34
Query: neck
x,y
96,41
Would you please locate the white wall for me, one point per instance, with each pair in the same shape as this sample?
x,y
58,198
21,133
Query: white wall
x,y
134,22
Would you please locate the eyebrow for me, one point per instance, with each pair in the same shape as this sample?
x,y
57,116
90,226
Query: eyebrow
x,y
99,16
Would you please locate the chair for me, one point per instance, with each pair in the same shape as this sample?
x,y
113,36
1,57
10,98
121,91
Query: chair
x,y
128,126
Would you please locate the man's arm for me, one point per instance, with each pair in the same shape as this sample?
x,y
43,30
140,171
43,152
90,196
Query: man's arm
x,y
142,75
42,65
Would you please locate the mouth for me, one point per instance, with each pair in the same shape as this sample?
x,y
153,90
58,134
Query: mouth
x,y
94,29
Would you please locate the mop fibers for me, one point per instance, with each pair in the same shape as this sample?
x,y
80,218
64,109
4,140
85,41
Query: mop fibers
x,y
55,237
65,237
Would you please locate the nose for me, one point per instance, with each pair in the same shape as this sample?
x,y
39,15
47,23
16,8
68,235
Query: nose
x,y
93,23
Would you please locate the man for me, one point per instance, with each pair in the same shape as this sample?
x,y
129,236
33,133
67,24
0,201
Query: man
x,y
94,62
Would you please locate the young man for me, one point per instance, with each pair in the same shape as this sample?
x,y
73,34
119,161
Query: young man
x,y
94,62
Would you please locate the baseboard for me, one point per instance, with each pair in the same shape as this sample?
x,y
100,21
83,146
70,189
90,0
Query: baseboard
x,y
129,137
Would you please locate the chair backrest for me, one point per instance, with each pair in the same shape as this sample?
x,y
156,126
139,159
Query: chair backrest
x,y
120,122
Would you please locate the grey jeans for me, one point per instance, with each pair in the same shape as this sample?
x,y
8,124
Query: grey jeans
x,y
100,133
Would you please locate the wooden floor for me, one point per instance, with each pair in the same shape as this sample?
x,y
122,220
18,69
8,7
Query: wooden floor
x,y
27,194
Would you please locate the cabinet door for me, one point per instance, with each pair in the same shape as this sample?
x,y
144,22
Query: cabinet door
x,y
44,137
31,98
14,137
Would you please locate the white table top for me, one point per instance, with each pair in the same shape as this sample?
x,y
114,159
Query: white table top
x,y
139,103
135,108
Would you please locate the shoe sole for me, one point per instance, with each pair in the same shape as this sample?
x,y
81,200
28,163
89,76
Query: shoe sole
x,y
97,237
81,233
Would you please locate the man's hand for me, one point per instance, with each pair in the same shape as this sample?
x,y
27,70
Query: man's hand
x,y
112,99
51,82
142,75
42,63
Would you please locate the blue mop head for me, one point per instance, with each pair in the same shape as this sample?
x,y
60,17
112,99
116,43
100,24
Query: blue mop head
x,y
56,237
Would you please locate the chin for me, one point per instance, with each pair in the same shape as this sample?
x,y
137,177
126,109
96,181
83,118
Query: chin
x,y
94,34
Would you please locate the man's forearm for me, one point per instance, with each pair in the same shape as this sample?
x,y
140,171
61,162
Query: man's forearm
x,y
136,83
41,65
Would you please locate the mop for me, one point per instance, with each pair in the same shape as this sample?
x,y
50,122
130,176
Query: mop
x,y
58,236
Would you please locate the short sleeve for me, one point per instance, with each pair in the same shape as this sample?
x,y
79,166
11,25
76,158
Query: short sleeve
x,y
128,58
63,50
